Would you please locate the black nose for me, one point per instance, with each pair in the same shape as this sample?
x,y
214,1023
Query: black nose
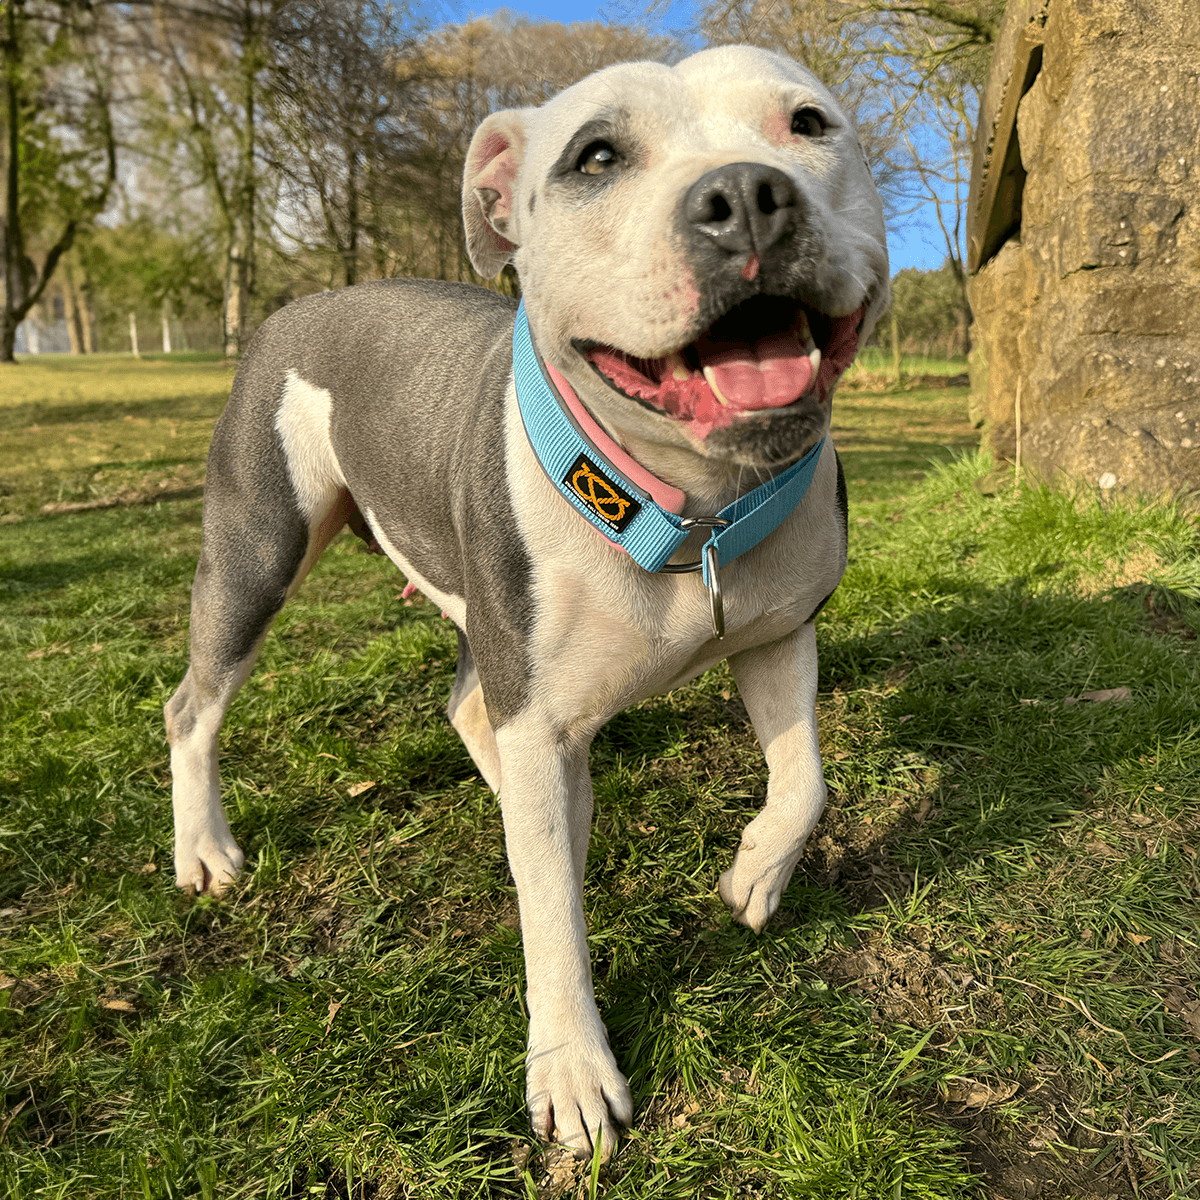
x,y
743,206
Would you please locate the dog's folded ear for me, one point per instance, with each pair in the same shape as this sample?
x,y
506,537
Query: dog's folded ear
x,y
489,180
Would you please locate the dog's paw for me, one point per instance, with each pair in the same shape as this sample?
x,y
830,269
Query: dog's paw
x,y
762,868
208,864
576,1094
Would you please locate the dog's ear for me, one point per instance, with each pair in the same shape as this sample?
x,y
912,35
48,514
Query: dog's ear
x,y
489,180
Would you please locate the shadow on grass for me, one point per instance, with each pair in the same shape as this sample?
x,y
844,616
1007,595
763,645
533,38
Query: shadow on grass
x,y
39,414
64,570
896,468
972,731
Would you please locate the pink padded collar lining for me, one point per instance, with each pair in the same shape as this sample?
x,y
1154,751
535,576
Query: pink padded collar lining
x,y
663,494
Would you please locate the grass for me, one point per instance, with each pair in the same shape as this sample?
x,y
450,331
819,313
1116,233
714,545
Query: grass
x,y
889,440
877,360
981,982
80,431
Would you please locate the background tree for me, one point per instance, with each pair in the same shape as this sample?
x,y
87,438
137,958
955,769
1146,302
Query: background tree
x,y
931,57
209,70
927,308
161,276
338,126
315,143
59,148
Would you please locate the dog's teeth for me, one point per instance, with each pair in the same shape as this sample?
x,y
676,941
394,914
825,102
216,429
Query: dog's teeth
x,y
804,333
679,369
711,376
815,355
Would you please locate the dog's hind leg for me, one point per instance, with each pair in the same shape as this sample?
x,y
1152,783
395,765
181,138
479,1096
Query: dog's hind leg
x,y
241,584
269,512
468,715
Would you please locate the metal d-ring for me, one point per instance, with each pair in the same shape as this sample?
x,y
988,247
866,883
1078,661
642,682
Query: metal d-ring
x,y
710,557
714,592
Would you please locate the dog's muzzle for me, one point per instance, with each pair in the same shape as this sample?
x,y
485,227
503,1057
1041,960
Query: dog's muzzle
x,y
768,353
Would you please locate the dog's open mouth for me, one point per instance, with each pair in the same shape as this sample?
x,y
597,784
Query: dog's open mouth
x,y
768,353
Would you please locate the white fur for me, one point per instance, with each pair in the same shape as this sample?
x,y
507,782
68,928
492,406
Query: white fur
x,y
302,420
207,859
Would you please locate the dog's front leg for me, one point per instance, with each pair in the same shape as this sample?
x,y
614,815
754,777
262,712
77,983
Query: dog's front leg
x,y
778,683
574,1089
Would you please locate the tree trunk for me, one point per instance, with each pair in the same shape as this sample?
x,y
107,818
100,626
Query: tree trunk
x,y
963,331
166,329
895,348
962,327
239,278
23,283
71,312
352,217
13,243
87,319
133,342
236,295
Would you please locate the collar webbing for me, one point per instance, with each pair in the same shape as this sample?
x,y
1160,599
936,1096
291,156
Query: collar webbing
x,y
623,512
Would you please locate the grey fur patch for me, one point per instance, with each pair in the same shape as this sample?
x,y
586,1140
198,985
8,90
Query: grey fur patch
x,y
254,536
418,371
565,178
465,676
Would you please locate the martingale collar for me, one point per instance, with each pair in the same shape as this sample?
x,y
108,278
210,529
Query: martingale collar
x,y
632,508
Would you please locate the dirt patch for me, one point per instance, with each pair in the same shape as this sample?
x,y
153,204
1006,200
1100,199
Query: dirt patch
x,y
907,983
1024,1136
1048,1154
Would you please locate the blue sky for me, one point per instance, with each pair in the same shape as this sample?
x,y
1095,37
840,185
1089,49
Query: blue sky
x,y
914,242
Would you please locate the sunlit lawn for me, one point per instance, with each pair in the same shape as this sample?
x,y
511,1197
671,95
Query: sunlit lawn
x,y
982,982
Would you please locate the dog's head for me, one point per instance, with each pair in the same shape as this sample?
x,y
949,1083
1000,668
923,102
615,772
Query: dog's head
x,y
700,247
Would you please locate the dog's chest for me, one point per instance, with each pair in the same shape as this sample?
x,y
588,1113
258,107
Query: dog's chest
x,y
606,636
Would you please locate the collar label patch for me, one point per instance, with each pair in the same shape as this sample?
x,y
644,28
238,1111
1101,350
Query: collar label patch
x,y
612,504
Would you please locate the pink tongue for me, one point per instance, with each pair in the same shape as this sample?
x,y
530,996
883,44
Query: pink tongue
x,y
772,373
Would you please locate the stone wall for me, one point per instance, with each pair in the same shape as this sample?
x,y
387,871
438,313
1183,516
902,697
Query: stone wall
x,y
1084,241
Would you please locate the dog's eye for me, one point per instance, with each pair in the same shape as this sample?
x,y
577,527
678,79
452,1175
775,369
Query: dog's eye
x,y
808,122
597,158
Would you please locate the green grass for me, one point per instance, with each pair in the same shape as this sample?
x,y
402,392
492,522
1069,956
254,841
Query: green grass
x,y
981,982
889,440
80,431
877,360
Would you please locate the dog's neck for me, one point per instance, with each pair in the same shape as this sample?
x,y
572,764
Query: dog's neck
x,y
671,498
619,497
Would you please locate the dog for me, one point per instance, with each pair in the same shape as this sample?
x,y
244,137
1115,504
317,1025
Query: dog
x,y
701,251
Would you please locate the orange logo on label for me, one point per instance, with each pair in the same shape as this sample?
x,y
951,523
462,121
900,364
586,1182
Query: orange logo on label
x,y
602,496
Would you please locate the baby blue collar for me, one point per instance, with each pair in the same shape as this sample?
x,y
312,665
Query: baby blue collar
x,y
626,514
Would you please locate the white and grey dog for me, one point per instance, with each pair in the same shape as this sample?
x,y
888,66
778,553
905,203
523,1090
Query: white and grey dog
x,y
701,251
